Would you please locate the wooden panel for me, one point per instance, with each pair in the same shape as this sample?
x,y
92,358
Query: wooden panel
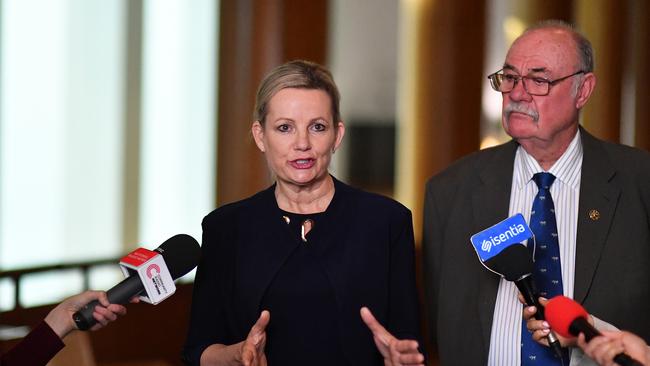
x,y
255,37
642,55
603,23
304,33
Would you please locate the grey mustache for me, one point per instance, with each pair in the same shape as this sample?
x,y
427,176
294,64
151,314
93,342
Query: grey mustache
x,y
520,108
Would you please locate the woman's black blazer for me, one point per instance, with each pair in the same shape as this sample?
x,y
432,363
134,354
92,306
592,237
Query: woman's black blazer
x,y
365,245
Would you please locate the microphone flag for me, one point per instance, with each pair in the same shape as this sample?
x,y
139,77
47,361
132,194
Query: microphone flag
x,y
150,266
493,240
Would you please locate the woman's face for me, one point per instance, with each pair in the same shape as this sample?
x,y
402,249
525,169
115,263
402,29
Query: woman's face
x,y
299,136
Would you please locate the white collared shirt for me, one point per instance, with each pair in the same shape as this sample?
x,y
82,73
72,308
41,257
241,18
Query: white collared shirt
x,y
505,338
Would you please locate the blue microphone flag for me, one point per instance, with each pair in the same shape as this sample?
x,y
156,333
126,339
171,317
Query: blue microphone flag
x,y
493,240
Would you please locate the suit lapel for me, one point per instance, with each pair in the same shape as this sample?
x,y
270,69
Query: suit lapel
x,y
490,204
598,201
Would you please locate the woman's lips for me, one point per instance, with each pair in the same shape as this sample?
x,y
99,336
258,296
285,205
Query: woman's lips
x,y
302,163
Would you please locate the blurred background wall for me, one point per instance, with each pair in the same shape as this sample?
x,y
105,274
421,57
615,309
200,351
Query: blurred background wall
x,y
124,122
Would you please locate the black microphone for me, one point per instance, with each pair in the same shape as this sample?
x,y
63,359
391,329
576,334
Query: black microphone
x,y
181,254
515,264
569,318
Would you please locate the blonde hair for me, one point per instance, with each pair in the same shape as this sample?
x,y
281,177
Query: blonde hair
x,y
298,74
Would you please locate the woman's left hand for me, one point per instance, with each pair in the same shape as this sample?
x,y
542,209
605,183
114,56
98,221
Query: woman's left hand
x,y
396,352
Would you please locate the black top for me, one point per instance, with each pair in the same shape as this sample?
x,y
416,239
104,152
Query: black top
x,y
301,299
360,252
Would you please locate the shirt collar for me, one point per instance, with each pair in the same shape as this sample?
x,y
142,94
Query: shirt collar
x,y
566,169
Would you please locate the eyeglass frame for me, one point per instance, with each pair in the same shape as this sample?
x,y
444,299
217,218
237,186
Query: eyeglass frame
x,y
549,83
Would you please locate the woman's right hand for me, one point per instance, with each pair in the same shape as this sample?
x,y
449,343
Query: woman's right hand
x,y
252,349
249,352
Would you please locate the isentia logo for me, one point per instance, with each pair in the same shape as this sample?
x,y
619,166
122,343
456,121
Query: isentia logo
x,y
492,241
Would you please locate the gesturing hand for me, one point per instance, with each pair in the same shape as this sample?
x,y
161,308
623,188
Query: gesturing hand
x,y
252,351
396,352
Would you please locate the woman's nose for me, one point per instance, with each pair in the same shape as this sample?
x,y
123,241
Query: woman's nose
x,y
302,140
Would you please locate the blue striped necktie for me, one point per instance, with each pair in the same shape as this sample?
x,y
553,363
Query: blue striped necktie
x,y
547,272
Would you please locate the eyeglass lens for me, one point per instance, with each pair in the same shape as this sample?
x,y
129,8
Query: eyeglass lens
x,y
506,82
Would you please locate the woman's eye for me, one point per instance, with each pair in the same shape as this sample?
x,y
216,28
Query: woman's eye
x,y
284,128
319,127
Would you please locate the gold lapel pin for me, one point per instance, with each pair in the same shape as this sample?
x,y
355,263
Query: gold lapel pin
x,y
594,214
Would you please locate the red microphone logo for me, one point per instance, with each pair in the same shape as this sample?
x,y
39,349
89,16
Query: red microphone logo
x,y
153,270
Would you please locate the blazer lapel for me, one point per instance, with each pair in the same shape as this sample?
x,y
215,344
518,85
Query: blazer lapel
x,y
490,204
328,242
598,201
272,244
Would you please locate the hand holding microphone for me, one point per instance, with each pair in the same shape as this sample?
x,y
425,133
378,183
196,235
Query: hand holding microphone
x,y
180,254
60,318
603,349
570,319
539,327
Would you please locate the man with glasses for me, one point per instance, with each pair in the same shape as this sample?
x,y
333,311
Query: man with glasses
x,y
597,222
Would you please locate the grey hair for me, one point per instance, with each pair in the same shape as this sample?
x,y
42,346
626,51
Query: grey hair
x,y
583,46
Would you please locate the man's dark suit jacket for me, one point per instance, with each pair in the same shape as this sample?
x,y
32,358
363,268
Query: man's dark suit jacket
x,y
365,246
612,269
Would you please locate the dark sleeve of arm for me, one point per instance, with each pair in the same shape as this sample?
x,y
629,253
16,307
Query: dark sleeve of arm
x,y
431,254
36,349
206,325
403,321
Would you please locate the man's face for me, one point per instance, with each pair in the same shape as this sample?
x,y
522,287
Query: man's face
x,y
549,54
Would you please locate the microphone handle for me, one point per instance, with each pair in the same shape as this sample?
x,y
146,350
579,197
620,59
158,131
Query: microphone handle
x,y
527,287
581,325
119,294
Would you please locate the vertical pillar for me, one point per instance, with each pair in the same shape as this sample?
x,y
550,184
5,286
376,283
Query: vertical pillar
x,y
602,21
132,123
439,92
642,73
255,36
249,45
533,11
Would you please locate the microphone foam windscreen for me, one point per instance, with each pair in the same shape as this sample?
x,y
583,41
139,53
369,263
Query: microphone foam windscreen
x,y
181,253
561,311
513,263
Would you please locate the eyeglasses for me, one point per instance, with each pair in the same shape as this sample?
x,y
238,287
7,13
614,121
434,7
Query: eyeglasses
x,y
504,83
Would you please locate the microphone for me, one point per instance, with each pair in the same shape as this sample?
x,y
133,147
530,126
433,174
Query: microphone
x,y
180,253
569,319
499,249
515,265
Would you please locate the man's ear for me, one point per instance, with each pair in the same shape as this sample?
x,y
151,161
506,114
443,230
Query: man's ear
x,y
585,90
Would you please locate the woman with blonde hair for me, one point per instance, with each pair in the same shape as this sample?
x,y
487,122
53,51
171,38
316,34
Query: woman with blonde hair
x,y
310,270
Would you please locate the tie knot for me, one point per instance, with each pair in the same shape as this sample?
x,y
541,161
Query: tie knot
x,y
543,180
